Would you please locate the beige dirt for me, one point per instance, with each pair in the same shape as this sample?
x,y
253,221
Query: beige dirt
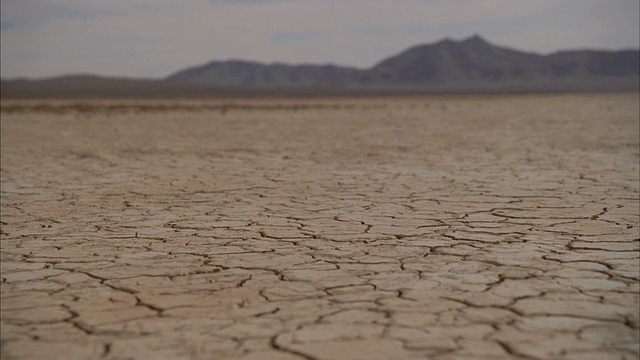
x,y
410,228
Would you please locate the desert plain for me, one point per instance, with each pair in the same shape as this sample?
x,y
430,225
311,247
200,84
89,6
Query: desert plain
x,y
426,227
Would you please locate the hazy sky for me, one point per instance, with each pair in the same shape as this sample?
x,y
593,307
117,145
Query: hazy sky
x,y
152,38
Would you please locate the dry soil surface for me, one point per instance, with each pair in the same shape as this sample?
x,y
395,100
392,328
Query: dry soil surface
x,y
413,228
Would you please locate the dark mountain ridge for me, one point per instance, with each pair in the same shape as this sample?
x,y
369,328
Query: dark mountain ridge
x,y
472,65
247,73
447,64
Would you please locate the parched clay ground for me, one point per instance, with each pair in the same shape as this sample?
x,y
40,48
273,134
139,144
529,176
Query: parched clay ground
x,y
415,228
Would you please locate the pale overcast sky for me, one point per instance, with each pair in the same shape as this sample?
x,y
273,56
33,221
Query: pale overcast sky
x,y
153,38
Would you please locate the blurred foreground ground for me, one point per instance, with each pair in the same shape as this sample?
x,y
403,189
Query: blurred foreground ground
x,y
412,228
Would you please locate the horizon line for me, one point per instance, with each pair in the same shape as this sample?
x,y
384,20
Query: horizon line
x,y
283,62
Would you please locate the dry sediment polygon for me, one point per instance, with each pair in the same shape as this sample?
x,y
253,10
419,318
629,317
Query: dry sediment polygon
x,y
413,228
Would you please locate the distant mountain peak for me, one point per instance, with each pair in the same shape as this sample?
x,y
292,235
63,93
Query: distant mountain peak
x,y
461,63
475,37
448,44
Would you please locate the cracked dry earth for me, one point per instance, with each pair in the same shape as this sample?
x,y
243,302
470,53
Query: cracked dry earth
x,y
412,228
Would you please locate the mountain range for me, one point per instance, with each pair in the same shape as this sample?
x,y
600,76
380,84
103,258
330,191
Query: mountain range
x,y
448,66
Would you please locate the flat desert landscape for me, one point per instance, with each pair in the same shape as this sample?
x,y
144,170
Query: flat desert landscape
x,y
426,227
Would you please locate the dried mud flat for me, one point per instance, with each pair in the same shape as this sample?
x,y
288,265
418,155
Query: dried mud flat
x,y
413,228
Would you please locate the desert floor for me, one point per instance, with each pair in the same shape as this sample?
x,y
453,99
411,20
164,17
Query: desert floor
x,y
411,228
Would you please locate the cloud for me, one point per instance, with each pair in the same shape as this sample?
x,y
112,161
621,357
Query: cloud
x,y
7,26
290,37
29,13
32,12
249,2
